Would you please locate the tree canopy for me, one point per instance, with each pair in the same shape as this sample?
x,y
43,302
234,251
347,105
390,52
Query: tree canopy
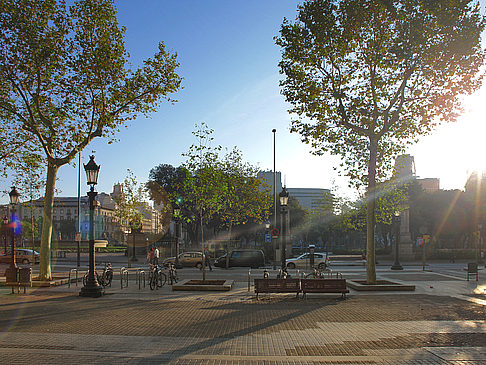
x,y
367,77
65,80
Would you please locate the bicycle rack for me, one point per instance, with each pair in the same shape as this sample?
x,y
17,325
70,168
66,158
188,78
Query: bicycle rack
x,y
140,273
123,275
69,277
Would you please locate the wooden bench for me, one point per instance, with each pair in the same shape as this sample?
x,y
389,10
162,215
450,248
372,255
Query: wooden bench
x,y
324,286
277,286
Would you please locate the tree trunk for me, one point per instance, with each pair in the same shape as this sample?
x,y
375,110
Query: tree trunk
x,y
370,215
45,248
229,241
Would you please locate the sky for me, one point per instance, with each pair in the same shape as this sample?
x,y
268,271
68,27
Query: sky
x,y
229,63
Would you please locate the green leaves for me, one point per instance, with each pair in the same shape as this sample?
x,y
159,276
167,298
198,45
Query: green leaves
x,y
360,70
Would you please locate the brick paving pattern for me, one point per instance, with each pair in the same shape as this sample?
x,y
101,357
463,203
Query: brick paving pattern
x,y
56,326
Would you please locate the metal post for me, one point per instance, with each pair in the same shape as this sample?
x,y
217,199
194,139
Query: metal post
x,y
274,244
396,226
284,212
78,251
92,288
11,272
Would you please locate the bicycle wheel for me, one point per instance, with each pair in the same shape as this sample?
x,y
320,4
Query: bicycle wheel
x,y
310,276
161,279
152,281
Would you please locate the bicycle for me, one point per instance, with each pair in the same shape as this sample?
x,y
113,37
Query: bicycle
x,y
172,274
157,278
105,278
318,273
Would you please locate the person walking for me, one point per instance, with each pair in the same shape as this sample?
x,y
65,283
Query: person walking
x,y
156,256
207,261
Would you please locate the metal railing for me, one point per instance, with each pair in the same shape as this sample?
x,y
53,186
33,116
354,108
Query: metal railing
x,y
123,277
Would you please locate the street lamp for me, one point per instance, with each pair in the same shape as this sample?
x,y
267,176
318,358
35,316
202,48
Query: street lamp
x,y
284,200
396,225
11,272
5,232
92,288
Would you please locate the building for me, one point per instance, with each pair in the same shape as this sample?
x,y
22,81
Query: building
x,y
65,216
267,179
310,198
429,185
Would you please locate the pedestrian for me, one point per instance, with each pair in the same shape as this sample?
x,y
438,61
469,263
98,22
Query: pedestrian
x,y
207,261
150,256
156,257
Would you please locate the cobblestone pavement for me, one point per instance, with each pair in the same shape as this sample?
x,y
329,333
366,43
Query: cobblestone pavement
x,y
132,326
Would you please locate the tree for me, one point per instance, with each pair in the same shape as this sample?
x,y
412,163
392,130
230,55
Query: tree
x,y
65,80
367,77
246,197
129,203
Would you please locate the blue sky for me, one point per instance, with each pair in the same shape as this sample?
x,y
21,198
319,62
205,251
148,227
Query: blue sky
x,y
229,62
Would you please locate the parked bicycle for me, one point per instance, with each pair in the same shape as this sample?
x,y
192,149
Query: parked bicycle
x,y
283,274
105,278
318,273
172,274
157,278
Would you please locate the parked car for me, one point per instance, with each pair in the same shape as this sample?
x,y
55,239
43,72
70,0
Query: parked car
x,y
22,255
186,259
251,258
303,261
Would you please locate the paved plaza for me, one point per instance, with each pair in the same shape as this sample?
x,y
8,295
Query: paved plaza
x,y
442,322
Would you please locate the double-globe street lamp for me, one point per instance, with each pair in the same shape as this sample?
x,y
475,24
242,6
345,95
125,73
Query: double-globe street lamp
x,y
92,288
284,200
396,226
12,270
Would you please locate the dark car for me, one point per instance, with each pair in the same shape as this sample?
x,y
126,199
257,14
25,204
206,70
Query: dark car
x,y
251,258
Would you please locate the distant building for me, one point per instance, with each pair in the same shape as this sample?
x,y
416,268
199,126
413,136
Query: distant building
x,y
405,168
476,182
309,198
267,178
65,216
429,185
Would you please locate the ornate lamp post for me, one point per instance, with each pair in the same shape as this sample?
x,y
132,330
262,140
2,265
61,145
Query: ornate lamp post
x,y
396,225
92,288
5,232
284,200
11,272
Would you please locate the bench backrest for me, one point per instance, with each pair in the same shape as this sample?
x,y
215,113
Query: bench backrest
x,y
277,284
323,284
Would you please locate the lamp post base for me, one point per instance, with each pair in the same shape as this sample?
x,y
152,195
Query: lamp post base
x,y
91,291
396,267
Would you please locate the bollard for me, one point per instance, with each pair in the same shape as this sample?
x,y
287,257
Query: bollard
x,y
249,278
123,275
297,274
141,273
69,278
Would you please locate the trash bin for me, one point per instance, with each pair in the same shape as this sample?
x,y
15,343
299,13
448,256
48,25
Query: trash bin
x,y
472,270
25,274
11,275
